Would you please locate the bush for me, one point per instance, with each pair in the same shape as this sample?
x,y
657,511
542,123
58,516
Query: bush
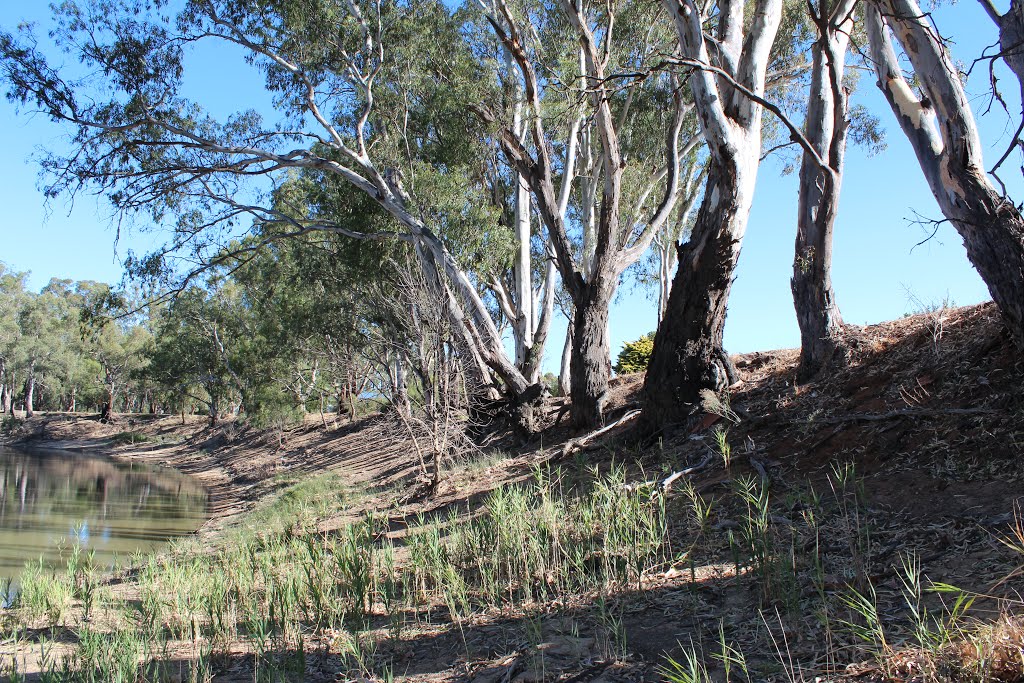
x,y
127,438
635,355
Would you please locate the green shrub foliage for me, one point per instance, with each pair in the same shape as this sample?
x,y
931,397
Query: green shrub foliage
x,y
635,355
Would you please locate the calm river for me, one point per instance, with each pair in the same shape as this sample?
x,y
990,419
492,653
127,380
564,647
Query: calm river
x,y
50,499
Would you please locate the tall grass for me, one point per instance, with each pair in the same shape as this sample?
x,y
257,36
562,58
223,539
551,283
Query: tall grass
x,y
533,542
279,583
277,578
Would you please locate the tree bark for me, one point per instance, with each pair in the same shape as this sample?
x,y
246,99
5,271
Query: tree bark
x,y
107,412
688,351
544,310
612,241
817,312
688,354
941,129
1011,36
590,361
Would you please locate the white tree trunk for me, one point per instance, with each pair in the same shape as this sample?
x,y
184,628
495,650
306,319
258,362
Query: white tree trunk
x,y
825,129
940,127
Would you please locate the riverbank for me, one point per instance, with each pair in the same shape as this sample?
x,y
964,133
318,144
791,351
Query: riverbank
x,y
833,530
238,465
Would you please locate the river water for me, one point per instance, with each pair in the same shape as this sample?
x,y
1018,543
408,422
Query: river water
x,y
50,500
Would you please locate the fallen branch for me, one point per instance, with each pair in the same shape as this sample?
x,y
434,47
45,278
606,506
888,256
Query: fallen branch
x,y
665,484
759,468
576,445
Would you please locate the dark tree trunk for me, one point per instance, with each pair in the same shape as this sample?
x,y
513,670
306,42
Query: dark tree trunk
x,y
107,411
993,233
688,351
1011,36
590,364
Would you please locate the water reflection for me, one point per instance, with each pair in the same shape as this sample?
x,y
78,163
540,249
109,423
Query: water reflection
x,y
53,498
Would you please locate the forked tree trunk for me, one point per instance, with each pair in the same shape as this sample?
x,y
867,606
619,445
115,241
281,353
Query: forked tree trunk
x,y
817,312
590,362
544,311
688,354
941,129
616,242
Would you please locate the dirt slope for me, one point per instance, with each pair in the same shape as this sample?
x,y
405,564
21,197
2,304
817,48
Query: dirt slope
x,y
928,411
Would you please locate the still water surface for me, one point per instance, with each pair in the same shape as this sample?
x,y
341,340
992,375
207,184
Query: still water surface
x,y
53,499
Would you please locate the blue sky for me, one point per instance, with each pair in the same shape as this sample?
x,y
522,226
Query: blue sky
x,y
878,274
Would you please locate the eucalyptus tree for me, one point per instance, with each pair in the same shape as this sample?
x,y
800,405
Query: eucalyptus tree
x,y
45,322
12,295
727,55
524,291
116,340
1011,44
69,372
361,94
196,349
826,124
934,112
602,139
656,270
309,297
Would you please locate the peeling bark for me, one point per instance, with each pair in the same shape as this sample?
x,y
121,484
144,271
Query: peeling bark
x,y
814,298
940,127
688,352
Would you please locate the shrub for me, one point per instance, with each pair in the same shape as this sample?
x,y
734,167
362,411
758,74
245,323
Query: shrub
x,y
128,438
635,355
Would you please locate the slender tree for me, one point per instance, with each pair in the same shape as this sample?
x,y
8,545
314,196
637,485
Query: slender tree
x,y
825,128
